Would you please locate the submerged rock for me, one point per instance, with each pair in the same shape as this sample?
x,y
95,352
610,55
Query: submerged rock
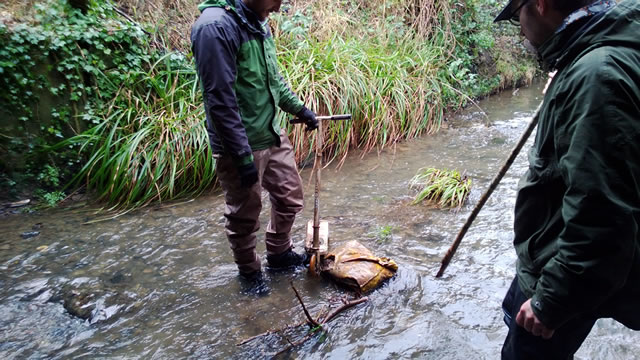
x,y
29,234
95,303
77,304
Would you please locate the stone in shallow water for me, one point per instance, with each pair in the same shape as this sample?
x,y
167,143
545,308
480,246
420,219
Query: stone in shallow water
x,y
29,234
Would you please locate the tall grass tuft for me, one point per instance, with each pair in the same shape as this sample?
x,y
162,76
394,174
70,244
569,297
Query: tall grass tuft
x,y
150,144
441,187
389,76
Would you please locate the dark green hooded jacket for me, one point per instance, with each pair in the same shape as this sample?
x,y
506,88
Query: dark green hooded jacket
x,y
577,212
236,62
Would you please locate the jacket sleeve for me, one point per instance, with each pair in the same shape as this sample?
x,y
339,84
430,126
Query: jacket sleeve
x,y
596,138
214,50
289,101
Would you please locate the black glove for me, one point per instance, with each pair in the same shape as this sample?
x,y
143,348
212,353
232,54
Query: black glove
x,y
248,175
308,117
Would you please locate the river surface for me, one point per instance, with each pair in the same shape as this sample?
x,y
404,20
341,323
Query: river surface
x,y
160,283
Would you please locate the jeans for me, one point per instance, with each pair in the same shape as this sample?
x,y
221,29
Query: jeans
x,y
521,344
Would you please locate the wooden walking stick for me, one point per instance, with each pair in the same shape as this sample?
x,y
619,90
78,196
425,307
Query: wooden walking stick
x,y
492,187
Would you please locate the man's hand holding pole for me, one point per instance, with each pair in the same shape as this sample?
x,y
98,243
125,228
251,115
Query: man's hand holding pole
x,y
307,117
316,119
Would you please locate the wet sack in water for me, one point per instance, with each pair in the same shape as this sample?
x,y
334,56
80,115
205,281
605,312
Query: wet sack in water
x,y
355,266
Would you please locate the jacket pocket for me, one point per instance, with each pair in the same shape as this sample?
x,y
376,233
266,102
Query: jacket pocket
x,y
537,211
541,169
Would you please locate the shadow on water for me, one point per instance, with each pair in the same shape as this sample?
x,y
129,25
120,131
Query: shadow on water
x,y
161,283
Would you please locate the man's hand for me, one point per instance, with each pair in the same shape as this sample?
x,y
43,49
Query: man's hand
x,y
308,117
528,320
248,175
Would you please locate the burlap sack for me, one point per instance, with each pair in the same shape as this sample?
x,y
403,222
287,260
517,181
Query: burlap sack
x,y
355,266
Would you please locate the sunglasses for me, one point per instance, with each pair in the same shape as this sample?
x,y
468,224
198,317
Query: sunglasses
x,y
514,19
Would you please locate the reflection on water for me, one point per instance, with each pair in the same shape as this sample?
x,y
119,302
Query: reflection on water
x,y
161,283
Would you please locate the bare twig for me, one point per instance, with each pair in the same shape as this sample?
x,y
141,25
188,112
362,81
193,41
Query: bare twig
x,y
342,308
315,323
289,341
328,318
126,16
292,345
321,314
268,332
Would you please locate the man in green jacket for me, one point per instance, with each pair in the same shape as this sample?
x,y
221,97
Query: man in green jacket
x,y
242,88
577,213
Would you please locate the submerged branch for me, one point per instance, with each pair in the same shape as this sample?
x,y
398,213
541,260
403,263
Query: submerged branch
x,y
342,308
322,318
326,319
306,313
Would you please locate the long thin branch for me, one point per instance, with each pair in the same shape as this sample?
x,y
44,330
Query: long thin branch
x,y
292,345
342,308
268,332
315,323
126,16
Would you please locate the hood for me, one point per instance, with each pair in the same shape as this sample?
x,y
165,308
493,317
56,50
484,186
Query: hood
x,y
240,10
216,3
616,27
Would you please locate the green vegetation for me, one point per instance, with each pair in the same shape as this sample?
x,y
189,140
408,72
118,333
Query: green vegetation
x,y
97,100
151,144
59,69
146,139
441,187
50,199
382,234
49,178
397,66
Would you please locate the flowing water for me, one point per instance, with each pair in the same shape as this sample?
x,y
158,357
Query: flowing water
x,y
160,283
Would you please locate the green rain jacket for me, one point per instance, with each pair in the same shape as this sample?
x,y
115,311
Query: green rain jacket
x,y
236,62
577,213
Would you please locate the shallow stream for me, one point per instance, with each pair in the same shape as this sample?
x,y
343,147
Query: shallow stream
x,y
160,283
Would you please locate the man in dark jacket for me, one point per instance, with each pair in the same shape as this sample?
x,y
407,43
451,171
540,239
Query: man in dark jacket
x,y
242,88
577,213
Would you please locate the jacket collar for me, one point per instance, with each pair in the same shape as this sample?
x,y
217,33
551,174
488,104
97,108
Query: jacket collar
x,y
214,3
247,17
571,33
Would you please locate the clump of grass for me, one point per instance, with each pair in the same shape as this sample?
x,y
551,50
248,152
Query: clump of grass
x,y
392,87
441,187
150,144
382,234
